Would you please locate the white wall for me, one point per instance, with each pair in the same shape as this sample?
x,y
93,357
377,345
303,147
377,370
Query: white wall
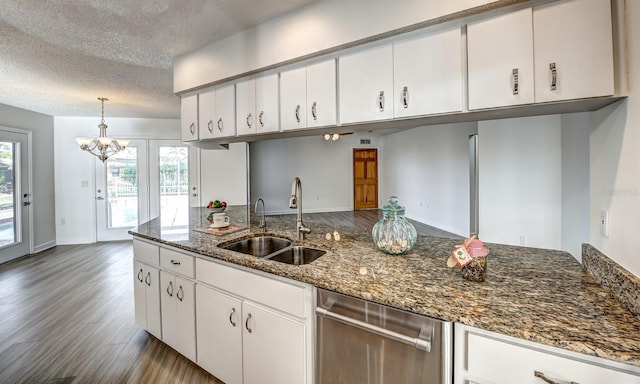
x,y
43,201
575,182
320,25
520,181
324,167
428,169
75,169
223,174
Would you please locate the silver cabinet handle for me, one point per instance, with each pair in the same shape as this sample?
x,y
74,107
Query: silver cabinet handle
x,y
192,128
210,126
170,289
514,75
246,324
147,279
140,276
233,323
248,122
180,293
554,76
298,113
381,101
220,125
260,118
405,97
421,344
313,111
175,262
546,379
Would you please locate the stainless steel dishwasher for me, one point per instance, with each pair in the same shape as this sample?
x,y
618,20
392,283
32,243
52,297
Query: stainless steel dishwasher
x,y
367,343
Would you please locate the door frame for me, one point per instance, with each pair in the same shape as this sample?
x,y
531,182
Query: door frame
x,y
29,181
353,176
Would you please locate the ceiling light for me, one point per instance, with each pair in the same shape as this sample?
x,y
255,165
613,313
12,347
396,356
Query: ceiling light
x,y
327,136
103,146
335,136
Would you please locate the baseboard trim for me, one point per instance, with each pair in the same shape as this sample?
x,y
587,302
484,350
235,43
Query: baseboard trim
x,y
44,246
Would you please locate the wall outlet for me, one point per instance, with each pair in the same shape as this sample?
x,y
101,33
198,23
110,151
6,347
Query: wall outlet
x,y
604,222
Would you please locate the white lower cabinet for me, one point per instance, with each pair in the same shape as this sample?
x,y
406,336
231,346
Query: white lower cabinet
x,y
146,286
483,357
241,340
178,313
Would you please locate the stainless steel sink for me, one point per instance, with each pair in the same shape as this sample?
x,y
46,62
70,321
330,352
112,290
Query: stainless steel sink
x,y
259,246
297,255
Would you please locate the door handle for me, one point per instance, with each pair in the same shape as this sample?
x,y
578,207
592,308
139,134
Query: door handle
x,y
99,198
26,203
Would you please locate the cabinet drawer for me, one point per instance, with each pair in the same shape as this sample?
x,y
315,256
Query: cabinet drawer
x,y
176,262
271,292
496,361
146,252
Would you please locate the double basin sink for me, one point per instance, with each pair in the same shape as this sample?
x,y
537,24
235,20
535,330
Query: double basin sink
x,y
274,248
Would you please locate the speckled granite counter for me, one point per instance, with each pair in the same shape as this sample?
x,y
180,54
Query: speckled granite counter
x,y
539,295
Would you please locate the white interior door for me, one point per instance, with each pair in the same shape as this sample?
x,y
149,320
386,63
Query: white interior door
x,y
122,192
170,190
15,194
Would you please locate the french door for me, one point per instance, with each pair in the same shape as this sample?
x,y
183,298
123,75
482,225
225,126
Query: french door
x,y
15,194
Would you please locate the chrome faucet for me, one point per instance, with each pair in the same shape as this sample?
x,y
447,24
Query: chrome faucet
x,y
263,221
295,201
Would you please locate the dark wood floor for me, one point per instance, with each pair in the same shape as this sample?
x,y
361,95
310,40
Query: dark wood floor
x,y
66,316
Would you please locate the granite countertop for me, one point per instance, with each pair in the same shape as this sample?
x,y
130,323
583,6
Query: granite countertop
x,y
534,294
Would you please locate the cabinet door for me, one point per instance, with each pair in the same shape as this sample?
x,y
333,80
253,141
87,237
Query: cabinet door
x,y
168,304
152,293
427,74
267,114
185,318
246,107
293,99
219,334
574,39
139,294
273,347
321,94
207,113
365,83
500,56
189,118
225,120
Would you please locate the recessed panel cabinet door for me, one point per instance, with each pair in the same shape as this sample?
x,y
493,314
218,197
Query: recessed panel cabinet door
x,y
219,334
267,117
293,99
500,60
365,83
321,94
573,50
427,74
189,118
273,347
246,107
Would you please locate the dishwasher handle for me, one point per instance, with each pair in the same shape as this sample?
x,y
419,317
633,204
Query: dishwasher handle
x,y
419,343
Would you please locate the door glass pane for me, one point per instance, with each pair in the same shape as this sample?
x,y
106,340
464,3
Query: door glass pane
x,y
8,214
122,189
174,185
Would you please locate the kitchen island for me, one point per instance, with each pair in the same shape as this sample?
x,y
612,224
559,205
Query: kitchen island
x,y
544,296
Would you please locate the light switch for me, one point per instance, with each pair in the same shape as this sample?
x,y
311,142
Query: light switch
x,y
604,222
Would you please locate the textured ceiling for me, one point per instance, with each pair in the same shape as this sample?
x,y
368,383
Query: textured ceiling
x,y
58,56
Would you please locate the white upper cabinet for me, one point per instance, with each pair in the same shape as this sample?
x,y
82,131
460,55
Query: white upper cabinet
x,y
321,94
246,107
293,99
189,118
500,61
427,74
573,45
308,96
267,116
217,113
365,83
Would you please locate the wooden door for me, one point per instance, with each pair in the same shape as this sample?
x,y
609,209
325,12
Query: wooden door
x,y
365,178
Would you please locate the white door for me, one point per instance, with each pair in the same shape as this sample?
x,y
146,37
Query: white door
x,y
267,97
122,193
246,107
321,94
15,194
293,99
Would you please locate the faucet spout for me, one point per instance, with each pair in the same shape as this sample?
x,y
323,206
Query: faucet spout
x,y
295,201
263,221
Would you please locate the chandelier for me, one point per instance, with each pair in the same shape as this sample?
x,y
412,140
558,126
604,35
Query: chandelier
x,y
103,146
